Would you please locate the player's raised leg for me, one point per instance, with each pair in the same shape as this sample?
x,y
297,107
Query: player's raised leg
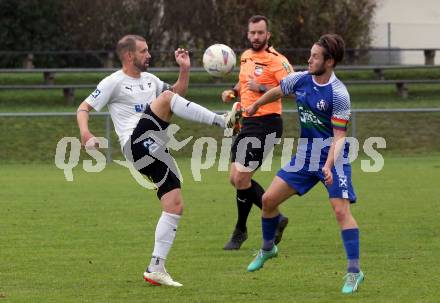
x,y
278,192
350,239
168,103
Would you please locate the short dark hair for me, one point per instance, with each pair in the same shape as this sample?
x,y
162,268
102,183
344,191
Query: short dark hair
x,y
334,47
127,43
258,18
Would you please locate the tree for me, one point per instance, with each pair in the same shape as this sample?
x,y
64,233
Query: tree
x,y
168,24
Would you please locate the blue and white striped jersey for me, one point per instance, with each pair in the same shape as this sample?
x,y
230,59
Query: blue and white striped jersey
x,y
321,108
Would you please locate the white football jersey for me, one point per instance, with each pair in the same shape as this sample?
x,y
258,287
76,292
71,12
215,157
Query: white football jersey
x,y
126,99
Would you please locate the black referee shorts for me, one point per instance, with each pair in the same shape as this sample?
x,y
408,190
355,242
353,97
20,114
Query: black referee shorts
x,y
146,149
256,140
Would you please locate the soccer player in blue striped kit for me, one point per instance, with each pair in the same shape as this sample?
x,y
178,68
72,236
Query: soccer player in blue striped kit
x,y
324,110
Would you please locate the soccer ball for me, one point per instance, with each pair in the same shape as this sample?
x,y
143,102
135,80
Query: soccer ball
x,y
219,60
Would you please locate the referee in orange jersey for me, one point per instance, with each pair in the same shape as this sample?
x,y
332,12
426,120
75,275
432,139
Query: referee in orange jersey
x,y
261,68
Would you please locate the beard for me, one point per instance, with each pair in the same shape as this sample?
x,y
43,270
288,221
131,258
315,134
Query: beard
x,y
319,71
260,46
141,66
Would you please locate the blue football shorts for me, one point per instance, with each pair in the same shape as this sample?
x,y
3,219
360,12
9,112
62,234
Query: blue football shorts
x,y
304,180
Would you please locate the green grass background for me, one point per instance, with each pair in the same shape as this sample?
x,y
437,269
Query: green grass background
x,y
34,139
89,240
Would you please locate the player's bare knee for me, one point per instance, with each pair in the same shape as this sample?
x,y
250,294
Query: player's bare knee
x,y
232,180
240,181
268,203
341,213
179,208
165,97
175,207
172,202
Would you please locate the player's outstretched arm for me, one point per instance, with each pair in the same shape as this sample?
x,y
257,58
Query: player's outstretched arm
x,y
182,59
269,97
82,116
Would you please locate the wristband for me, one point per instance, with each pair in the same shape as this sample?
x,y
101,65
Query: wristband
x,y
262,89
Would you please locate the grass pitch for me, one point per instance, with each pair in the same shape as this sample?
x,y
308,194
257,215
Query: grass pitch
x,y
89,240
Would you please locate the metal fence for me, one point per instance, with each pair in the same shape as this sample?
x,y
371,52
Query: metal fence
x,y
385,55
108,126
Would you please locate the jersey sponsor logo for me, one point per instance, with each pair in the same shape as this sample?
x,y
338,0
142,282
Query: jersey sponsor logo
x,y
258,70
322,105
96,93
308,117
139,108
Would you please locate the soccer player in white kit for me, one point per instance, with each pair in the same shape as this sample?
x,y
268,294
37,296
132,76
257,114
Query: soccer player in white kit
x,y
141,106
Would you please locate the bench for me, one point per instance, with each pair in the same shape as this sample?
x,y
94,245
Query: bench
x,y
49,73
69,89
401,84
107,57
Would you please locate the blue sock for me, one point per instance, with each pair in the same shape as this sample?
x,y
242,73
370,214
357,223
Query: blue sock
x,y
350,237
269,226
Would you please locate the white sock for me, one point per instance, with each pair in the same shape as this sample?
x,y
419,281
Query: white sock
x,y
164,237
194,112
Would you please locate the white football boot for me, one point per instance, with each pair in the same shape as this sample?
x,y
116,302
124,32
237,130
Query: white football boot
x,y
159,278
232,120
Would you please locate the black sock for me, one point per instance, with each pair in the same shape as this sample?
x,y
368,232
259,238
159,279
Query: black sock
x,y
245,199
258,194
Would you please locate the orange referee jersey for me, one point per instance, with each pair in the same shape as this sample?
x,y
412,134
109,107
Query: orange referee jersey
x,y
267,67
